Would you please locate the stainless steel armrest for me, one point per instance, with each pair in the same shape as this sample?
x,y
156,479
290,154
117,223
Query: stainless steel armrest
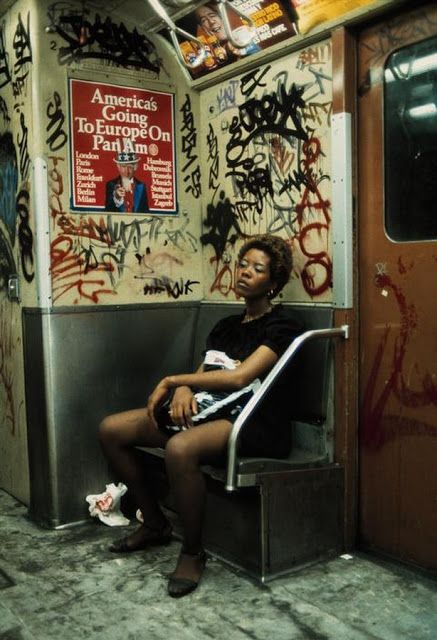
x,y
339,332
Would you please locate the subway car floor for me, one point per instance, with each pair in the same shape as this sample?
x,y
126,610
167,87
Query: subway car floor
x,y
64,584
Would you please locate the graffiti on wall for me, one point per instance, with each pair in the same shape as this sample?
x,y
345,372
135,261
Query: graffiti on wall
x,y
394,34
191,166
16,235
90,256
267,144
15,163
95,257
378,423
85,37
8,413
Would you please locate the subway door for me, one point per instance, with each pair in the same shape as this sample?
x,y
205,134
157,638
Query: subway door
x,y
397,180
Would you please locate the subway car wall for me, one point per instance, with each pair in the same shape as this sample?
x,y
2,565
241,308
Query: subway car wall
x,y
67,110
127,188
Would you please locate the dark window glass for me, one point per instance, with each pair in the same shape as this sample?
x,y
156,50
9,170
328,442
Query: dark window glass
x,y
410,124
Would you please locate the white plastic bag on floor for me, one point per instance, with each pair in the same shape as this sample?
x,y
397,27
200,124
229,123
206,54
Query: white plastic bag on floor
x,y
106,505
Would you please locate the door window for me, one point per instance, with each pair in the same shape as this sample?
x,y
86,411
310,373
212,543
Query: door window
x,y
410,138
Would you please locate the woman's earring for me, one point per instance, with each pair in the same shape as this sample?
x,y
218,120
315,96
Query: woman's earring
x,y
271,293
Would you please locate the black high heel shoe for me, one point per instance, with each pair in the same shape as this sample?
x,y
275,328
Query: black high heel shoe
x,y
153,537
179,586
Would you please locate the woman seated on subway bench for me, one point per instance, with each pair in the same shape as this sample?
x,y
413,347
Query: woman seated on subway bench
x,y
181,416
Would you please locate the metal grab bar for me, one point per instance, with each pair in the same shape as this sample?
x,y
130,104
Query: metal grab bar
x,y
339,332
250,30
179,3
173,29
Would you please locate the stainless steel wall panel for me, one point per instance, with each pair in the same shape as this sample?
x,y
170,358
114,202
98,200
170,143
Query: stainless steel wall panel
x,y
81,365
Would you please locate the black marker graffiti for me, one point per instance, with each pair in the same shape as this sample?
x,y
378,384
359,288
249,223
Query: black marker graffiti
x,y
24,153
5,74
174,289
189,144
252,80
7,262
103,40
270,114
298,179
25,237
221,219
23,49
213,160
4,112
257,182
57,137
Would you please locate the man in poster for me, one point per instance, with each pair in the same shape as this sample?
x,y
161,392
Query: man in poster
x,y
125,193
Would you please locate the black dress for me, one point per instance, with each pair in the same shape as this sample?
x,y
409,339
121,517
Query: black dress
x,y
268,432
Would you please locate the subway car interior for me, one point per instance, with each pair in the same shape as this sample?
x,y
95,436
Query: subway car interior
x,y
210,126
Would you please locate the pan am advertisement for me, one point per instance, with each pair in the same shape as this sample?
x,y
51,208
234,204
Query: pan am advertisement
x,y
122,149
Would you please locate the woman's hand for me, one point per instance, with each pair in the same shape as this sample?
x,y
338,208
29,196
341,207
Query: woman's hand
x,y
183,407
156,399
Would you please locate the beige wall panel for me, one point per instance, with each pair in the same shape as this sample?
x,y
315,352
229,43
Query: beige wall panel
x,y
18,37
117,258
267,162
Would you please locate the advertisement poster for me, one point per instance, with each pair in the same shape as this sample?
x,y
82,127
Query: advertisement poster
x,y
272,23
314,12
122,149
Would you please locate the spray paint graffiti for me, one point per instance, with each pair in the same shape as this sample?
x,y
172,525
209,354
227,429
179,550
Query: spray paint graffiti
x,y
90,256
374,433
71,262
8,413
100,40
5,74
8,183
55,128
221,220
276,113
227,96
225,276
4,112
396,33
25,236
213,161
189,144
254,80
22,140
317,54
23,54
275,176
7,262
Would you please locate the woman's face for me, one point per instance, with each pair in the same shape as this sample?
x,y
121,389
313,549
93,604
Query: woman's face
x,y
211,22
253,275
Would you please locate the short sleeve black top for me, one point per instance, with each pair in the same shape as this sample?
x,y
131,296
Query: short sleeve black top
x,y
269,431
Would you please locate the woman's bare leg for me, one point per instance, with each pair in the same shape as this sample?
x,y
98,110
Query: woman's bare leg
x,y
119,434
184,454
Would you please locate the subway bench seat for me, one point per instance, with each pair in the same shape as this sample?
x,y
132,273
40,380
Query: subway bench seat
x,y
84,363
269,516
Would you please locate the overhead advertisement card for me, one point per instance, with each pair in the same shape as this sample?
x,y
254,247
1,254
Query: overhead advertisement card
x,y
122,149
273,22
314,12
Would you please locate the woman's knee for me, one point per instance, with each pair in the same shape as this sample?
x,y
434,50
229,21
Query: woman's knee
x,y
179,453
109,429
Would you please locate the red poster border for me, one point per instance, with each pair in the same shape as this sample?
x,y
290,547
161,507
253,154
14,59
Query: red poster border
x,y
75,207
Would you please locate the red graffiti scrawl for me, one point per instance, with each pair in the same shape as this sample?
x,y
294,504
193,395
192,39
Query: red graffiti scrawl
x,y
373,435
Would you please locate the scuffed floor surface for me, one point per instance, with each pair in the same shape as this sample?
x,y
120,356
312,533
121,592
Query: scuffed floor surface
x,y
64,585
